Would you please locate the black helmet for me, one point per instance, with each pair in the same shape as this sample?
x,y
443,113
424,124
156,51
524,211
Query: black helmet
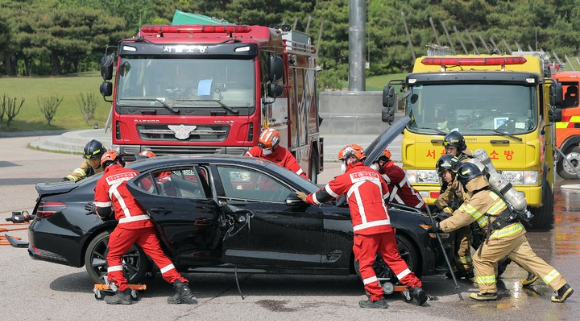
x,y
447,163
455,139
94,149
466,172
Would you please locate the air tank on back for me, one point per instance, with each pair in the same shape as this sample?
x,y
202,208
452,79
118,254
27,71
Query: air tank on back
x,y
500,184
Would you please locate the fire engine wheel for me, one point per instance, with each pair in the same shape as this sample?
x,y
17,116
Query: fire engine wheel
x,y
408,252
564,168
135,262
544,215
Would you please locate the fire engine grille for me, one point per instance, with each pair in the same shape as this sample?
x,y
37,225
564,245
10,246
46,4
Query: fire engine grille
x,y
202,133
190,150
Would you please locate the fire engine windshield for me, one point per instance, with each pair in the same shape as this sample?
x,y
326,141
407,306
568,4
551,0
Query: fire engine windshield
x,y
148,81
472,109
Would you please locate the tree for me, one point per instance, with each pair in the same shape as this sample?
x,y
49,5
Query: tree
x,y
49,106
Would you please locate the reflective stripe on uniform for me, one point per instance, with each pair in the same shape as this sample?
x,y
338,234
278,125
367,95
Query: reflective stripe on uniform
x,y
485,279
133,219
167,268
359,202
403,274
114,191
463,259
551,276
480,218
507,231
370,280
299,171
497,208
330,191
115,268
103,204
371,224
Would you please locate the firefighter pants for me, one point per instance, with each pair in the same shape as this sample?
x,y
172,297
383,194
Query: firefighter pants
x,y
463,261
365,249
516,247
122,239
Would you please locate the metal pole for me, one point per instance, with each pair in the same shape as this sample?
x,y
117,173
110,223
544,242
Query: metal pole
x,y
460,40
434,31
295,24
569,63
506,46
557,58
308,24
448,37
483,42
472,42
408,36
356,45
319,37
493,43
518,46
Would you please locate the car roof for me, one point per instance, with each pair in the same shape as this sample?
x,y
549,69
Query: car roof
x,y
169,160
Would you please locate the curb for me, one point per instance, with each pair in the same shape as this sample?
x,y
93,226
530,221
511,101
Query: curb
x,y
32,133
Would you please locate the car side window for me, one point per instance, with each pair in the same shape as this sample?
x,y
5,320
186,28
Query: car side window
x,y
249,184
180,182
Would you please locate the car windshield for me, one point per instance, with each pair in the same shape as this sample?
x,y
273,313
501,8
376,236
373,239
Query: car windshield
x,y
149,81
472,109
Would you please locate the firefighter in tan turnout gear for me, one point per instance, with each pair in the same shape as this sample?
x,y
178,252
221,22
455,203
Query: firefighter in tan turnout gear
x,y
505,237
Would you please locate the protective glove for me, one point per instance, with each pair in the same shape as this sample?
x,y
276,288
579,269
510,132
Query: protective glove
x,y
65,179
443,216
448,210
435,229
90,208
301,196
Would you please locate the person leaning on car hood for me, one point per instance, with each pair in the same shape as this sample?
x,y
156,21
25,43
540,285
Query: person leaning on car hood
x,y
268,148
366,191
92,165
134,226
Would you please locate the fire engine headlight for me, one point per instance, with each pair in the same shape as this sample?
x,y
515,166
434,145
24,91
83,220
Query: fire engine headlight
x,y
530,177
422,176
514,177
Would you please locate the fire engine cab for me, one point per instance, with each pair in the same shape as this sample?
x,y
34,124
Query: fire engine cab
x,y
191,89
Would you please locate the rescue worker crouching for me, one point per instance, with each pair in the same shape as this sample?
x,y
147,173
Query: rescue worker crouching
x,y
504,237
400,189
268,148
365,192
134,226
92,165
449,200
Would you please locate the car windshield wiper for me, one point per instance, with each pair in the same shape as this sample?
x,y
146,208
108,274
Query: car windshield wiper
x,y
224,106
438,131
159,100
507,134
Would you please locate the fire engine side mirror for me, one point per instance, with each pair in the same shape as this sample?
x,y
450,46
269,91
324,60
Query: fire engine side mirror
x,y
274,90
276,68
556,94
106,89
107,66
389,97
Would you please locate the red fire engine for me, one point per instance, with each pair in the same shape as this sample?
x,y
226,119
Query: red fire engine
x,y
191,89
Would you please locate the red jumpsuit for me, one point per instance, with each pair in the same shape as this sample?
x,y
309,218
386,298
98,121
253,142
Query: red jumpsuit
x,y
365,192
134,226
280,156
401,190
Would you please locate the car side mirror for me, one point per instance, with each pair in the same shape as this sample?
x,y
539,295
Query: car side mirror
x,y
107,66
276,68
274,90
556,94
293,200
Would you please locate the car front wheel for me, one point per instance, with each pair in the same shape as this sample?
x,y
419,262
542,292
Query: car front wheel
x,y
135,262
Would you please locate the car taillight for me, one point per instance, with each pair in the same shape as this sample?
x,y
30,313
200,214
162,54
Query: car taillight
x,y
49,208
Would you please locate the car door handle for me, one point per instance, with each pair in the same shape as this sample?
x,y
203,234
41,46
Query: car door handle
x,y
160,210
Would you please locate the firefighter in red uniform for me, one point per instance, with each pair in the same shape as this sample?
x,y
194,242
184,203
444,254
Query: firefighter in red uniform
x,y
134,227
268,148
399,187
365,192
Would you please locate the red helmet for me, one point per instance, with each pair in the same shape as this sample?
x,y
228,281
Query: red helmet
x,y
269,139
109,156
351,150
147,153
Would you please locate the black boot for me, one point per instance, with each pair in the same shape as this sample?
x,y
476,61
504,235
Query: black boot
x,y
378,304
120,297
418,294
182,294
531,278
563,293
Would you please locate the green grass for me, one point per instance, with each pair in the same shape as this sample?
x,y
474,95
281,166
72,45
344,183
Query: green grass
x,y
68,115
377,83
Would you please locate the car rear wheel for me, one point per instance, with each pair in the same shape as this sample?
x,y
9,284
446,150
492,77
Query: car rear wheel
x,y
135,262
408,253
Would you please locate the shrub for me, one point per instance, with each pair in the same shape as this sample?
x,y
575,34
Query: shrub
x,y
48,106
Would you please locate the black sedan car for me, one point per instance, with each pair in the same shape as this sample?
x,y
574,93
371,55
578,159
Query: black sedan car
x,y
218,213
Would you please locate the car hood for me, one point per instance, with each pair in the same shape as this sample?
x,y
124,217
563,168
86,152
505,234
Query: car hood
x,y
376,148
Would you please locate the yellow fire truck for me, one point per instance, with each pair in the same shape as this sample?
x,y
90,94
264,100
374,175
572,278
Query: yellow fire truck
x,y
503,104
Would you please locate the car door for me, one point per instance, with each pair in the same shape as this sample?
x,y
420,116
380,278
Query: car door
x,y
181,205
278,235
